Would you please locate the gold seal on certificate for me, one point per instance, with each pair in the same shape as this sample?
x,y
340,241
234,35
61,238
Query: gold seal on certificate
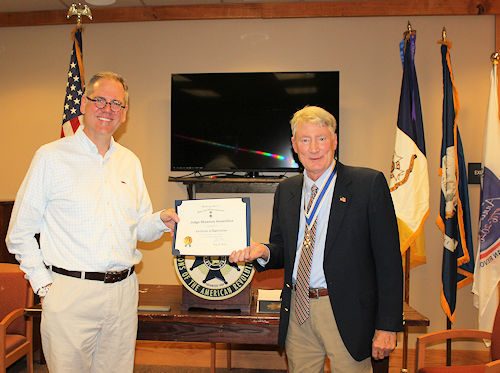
x,y
212,227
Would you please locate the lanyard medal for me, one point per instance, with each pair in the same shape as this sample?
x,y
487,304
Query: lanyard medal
x,y
318,200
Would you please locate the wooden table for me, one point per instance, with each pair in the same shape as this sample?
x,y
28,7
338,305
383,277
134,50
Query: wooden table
x,y
216,326
412,317
201,325
220,326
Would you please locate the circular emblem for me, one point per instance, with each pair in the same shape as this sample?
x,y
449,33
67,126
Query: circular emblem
x,y
212,277
188,240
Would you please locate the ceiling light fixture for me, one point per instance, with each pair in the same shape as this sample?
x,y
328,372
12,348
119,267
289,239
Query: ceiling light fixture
x,y
100,2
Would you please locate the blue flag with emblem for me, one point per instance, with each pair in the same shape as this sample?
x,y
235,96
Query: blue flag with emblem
x,y
409,182
454,212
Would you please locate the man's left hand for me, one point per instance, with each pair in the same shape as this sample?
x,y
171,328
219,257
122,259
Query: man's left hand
x,y
384,343
169,218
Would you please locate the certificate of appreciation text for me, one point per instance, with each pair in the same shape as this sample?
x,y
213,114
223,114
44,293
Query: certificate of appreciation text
x,y
212,227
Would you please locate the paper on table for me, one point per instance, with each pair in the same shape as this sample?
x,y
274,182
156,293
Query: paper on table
x,y
151,307
265,294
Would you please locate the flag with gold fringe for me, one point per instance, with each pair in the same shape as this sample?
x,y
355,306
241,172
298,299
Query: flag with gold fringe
x,y
487,270
454,213
409,183
75,86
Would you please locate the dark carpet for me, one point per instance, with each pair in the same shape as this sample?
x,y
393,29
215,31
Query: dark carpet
x,y
20,367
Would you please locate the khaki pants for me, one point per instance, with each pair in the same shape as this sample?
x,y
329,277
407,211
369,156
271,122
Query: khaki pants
x,y
88,326
308,344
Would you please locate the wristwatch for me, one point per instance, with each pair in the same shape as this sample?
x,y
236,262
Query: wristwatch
x,y
43,291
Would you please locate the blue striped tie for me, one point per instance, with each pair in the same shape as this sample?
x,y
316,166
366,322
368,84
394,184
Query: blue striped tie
x,y
302,301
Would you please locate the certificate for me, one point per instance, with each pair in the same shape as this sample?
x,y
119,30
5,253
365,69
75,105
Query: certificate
x,y
212,227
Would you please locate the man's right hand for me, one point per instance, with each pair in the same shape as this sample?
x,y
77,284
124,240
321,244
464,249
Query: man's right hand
x,y
42,292
250,253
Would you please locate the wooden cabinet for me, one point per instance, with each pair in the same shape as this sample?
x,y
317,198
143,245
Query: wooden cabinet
x,y
5,211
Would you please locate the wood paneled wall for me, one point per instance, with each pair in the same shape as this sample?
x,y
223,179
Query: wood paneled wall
x,y
299,9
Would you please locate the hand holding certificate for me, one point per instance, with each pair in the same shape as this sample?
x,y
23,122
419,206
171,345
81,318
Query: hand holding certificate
x,y
212,227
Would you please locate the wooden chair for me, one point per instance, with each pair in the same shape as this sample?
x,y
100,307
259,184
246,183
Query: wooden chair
x,y
441,336
16,330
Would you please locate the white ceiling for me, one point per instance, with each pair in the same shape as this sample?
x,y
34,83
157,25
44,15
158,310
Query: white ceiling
x,y
37,5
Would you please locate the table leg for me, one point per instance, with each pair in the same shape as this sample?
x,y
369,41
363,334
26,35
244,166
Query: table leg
x,y
405,349
228,357
380,366
212,357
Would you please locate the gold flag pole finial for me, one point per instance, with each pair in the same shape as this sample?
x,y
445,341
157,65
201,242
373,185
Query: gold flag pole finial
x,y
495,58
410,30
443,34
79,10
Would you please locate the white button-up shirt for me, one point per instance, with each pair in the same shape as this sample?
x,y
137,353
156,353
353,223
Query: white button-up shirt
x,y
89,210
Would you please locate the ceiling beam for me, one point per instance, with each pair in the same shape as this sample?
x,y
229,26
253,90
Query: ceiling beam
x,y
299,9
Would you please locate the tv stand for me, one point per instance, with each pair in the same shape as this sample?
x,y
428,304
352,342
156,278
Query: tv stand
x,y
252,174
227,185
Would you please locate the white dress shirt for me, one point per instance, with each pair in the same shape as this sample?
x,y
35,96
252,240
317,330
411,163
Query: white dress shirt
x,y
89,210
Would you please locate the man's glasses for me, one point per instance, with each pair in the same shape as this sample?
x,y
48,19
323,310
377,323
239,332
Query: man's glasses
x,y
101,103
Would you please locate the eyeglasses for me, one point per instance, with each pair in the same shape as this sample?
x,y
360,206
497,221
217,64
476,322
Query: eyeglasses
x,y
101,103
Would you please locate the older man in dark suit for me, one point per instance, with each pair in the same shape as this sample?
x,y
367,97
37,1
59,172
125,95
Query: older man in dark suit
x,y
334,231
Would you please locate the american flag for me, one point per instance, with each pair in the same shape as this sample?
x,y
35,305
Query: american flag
x,y
75,86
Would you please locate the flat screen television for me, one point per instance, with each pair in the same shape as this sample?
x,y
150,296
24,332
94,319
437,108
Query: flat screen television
x,y
240,122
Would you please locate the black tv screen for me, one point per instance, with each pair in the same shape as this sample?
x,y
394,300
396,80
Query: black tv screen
x,y
232,122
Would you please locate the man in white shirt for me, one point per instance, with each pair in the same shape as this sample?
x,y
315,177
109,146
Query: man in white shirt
x,y
85,194
334,232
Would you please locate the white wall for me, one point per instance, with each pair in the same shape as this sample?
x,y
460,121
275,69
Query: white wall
x,y
34,61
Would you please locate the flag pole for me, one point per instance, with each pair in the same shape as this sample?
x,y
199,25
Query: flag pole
x,y
495,58
443,34
454,216
72,116
404,368
448,321
407,253
486,278
409,31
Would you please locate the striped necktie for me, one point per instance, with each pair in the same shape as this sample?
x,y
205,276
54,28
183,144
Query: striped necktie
x,y
302,302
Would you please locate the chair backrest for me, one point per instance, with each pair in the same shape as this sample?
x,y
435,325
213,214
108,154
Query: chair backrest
x,y
495,337
15,292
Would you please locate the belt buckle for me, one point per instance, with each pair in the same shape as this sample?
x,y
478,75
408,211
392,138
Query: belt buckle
x,y
314,292
112,276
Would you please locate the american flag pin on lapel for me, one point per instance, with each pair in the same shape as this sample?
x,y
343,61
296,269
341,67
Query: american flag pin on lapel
x,y
342,199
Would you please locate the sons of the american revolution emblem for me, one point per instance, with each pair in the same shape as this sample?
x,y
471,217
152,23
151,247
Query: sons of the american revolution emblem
x,y
212,277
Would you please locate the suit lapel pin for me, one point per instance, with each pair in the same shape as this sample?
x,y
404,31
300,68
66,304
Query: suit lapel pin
x,y
343,199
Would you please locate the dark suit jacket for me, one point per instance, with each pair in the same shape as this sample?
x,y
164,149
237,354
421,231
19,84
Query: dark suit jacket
x,y
362,261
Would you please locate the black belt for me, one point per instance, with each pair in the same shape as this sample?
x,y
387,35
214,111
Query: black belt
x,y
107,277
316,292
